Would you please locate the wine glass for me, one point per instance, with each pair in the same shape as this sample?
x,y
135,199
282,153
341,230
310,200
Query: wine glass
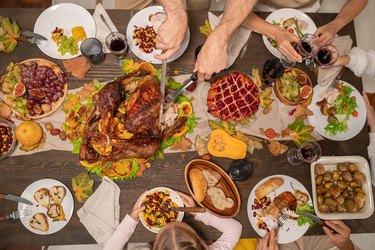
x,y
306,47
272,69
116,43
308,153
91,48
326,55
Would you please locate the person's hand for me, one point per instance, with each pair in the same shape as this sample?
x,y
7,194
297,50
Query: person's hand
x,y
341,239
171,33
370,113
187,200
342,60
268,242
213,56
326,34
284,39
137,209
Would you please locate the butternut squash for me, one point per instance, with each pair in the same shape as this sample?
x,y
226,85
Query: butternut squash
x,y
221,144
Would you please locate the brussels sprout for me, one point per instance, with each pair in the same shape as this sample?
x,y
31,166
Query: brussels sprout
x,y
359,198
352,167
347,176
319,179
335,175
342,167
319,169
359,177
327,176
350,206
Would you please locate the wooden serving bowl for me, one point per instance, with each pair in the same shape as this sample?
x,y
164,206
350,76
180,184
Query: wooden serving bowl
x,y
282,98
225,183
55,105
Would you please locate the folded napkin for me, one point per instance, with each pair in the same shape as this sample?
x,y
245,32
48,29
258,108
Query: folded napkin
x,y
102,30
101,212
238,40
327,75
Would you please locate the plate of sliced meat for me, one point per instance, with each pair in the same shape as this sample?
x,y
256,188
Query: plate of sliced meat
x,y
269,199
54,206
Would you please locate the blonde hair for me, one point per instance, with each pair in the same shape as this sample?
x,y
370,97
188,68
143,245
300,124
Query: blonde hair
x,y
178,235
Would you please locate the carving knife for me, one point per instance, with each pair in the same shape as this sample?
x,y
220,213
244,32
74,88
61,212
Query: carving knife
x,y
162,88
12,197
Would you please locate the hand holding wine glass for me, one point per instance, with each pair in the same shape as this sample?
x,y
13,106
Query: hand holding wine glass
x,y
326,55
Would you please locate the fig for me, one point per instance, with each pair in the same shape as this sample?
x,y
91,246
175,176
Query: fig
x,y
19,89
305,91
37,94
301,79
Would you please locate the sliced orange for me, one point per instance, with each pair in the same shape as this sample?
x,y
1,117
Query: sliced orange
x,y
182,131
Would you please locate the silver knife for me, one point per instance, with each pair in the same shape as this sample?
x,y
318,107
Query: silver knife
x,y
315,218
34,35
12,197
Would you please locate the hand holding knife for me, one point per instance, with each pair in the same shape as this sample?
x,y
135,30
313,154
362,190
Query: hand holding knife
x,y
316,219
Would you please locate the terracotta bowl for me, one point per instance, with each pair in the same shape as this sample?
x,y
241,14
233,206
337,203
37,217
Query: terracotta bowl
x,y
282,98
225,183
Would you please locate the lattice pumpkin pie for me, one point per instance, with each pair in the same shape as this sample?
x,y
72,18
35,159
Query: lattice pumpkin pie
x,y
233,97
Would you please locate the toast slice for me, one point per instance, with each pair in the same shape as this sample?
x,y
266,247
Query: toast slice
x,y
39,222
56,212
212,177
43,197
218,198
57,194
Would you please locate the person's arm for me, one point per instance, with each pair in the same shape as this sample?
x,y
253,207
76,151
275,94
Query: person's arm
x,y
280,35
230,228
122,234
359,61
214,55
172,32
126,228
348,12
371,125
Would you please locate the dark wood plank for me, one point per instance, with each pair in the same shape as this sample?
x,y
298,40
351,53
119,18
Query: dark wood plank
x,y
18,172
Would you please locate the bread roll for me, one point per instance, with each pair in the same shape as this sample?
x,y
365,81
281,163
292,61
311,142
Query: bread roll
x,y
267,187
199,184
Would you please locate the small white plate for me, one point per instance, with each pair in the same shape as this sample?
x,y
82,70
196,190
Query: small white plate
x,y
319,121
330,163
67,204
174,197
140,19
66,16
290,231
281,15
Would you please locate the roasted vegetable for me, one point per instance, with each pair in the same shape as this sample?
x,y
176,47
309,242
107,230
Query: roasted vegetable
x,y
221,144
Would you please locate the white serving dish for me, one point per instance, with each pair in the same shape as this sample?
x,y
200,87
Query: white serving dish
x,y
330,162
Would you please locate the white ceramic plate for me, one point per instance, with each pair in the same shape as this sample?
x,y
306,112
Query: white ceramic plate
x,y
319,121
290,231
174,197
140,19
330,163
279,16
66,16
67,204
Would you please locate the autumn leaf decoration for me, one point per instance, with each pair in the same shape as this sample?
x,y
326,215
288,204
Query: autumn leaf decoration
x,y
206,28
299,131
9,33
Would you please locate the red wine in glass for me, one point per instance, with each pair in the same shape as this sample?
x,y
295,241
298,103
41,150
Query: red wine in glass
x,y
272,69
326,55
117,44
308,153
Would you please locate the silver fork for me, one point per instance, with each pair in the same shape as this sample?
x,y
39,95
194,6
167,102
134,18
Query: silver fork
x,y
337,79
281,221
17,214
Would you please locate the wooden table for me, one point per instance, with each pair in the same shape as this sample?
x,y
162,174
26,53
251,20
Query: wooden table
x,y
16,173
